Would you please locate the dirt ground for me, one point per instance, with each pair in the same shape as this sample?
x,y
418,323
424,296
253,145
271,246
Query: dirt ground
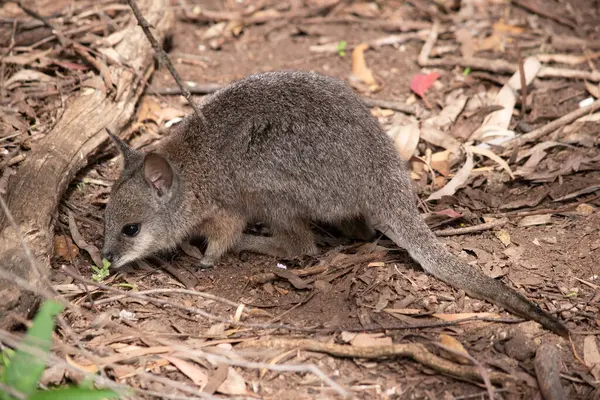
x,y
549,248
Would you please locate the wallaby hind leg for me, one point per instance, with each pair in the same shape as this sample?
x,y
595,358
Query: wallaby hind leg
x,y
357,228
290,240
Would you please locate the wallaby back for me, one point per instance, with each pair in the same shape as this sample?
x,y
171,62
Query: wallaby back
x,y
285,148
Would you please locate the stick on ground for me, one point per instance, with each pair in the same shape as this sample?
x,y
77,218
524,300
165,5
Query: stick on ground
x,y
163,57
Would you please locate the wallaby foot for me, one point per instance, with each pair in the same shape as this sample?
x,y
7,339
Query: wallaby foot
x,y
294,239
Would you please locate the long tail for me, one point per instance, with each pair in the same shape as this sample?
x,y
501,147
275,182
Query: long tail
x,y
423,246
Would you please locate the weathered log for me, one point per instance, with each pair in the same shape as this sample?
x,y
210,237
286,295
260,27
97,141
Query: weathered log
x,y
35,191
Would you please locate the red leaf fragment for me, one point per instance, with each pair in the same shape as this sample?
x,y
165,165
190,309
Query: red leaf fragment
x,y
421,82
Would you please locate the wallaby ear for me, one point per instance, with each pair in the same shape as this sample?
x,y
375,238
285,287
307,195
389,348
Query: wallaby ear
x,y
158,173
127,152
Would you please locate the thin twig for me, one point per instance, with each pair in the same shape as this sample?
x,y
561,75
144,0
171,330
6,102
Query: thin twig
x,y
552,126
472,229
523,84
164,58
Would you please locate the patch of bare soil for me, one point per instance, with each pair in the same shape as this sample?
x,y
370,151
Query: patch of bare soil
x,y
367,295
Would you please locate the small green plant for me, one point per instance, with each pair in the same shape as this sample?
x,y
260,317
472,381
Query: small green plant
x,y
101,273
467,71
22,369
80,186
341,48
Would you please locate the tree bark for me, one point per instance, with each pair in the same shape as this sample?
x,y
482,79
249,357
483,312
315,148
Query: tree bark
x,y
35,191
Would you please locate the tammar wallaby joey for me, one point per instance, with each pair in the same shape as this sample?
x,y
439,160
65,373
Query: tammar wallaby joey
x,y
285,149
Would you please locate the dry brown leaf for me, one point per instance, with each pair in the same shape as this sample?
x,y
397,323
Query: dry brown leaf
x,y
503,236
500,26
454,344
234,384
569,59
364,9
461,316
455,104
406,138
28,75
152,110
533,220
91,249
25,58
91,368
591,355
496,124
196,374
113,39
439,138
585,209
371,340
65,248
455,183
360,71
492,156
440,162
277,359
467,44
214,31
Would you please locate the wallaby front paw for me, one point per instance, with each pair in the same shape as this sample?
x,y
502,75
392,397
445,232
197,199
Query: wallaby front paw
x,y
206,262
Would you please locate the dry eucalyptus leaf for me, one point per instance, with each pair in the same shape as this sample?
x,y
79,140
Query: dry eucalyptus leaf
x,y
455,183
591,355
360,70
195,373
460,316
533,220
439,138
406,138
454,344
234,384
492,156
503,236
28,75
440,162
371,340
497,123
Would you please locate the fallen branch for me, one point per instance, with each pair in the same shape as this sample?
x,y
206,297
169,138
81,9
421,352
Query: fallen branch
x,y
35,191
472,229
552,126
414,351
547,369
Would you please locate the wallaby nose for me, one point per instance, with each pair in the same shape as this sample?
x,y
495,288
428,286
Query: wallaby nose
x,y
108,255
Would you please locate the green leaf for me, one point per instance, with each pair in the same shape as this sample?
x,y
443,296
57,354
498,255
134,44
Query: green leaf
x,y
74,393
341,47
25,370
105,263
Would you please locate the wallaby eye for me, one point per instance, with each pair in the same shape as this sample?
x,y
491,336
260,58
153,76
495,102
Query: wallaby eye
x,y
131,230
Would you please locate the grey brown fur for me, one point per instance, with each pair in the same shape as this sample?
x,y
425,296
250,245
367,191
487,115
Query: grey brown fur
x,y
284,148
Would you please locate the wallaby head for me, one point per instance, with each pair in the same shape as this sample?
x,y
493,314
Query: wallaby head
x,y
142,207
